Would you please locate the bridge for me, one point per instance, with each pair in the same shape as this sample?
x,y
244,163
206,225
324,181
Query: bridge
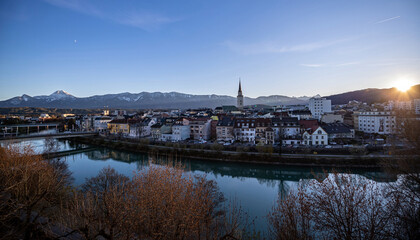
x,y
13,129
43,136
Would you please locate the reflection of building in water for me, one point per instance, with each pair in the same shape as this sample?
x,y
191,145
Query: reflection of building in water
x,y
98,155
105,154
285,173
264,173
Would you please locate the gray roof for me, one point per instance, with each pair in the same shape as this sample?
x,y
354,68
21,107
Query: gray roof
x,y
226,122
334,128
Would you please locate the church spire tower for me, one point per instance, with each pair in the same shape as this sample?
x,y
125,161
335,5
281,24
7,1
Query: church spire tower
x,y
240,97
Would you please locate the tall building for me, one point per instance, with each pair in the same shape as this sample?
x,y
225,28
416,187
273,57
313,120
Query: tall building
x,y
240,97
319,106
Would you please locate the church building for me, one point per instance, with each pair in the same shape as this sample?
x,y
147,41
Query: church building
x,y
240,97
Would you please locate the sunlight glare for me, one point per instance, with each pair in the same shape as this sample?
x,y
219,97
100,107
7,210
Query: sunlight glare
x,y
403,85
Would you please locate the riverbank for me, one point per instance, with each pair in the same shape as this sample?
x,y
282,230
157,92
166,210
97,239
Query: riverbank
x,y
318,160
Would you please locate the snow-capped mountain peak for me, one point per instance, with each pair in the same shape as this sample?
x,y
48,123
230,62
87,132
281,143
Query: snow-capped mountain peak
x,y
60,94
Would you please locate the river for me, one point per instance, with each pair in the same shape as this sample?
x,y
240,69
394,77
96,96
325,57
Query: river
x,y
255,187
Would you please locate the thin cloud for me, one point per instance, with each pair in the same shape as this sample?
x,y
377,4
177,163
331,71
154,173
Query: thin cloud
x,y
273,47
347,64
312,65
317,65
78,6
144,20
388,19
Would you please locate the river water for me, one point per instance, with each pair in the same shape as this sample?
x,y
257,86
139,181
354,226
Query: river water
x,y
255,187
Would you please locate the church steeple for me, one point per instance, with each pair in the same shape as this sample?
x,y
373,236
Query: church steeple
x,y
240,97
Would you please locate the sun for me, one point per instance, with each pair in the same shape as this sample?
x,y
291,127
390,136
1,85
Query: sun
x,y
403,85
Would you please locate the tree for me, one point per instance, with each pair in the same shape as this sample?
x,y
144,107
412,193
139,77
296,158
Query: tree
x,y
51,145
160,202
290,218
342,206
170,204
405,193
347,206
100,209
31,189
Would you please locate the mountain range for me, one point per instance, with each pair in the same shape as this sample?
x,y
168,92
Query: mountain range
x,y
144,100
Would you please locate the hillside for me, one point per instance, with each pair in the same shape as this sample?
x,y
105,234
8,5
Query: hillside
x,y
374,95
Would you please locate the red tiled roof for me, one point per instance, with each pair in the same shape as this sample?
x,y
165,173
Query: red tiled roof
x,y
309,124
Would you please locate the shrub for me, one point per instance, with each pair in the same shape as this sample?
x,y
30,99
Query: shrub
x,y
31,188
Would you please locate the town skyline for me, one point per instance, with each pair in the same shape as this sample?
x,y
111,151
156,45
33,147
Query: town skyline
x,y
297,49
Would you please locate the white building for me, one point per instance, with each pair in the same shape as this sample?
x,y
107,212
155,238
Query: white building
x,y
180,132
398,105
244,129
319,106
100,124
416,104
300,114
376,122
318,137
141,128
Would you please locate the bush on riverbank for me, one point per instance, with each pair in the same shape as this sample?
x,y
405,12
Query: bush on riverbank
x,y
160,202
346,206
31,190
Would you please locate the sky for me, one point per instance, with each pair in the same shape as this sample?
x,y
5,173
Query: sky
x,y
280,47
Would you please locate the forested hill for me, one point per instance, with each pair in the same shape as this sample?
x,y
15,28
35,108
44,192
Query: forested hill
x,y
374,95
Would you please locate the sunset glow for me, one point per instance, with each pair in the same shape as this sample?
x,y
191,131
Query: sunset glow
x,y
404,85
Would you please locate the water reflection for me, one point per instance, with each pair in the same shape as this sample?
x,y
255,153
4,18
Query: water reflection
x,y
254,186
262,172
38,145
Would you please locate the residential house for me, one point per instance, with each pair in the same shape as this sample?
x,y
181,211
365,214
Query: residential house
x,y
166,132
141,127
269,136
261,124
224,129
84,123
315,138
338,131
332,118
119,126
290,131
244,129
100,123
155,131
308,125
200,128
276,127
180,132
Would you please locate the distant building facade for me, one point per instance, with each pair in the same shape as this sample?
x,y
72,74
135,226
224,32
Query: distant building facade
x,y
319,106
376,122
416,104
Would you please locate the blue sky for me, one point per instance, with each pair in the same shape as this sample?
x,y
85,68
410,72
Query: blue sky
x,y
293,48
